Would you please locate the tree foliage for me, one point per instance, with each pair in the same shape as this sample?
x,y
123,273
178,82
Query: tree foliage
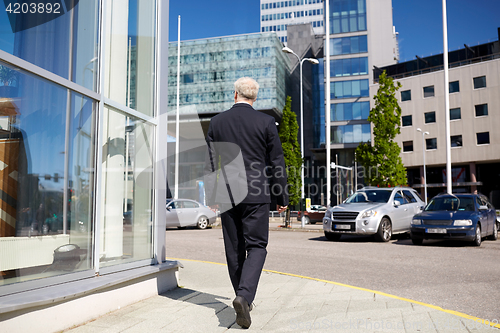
x,y
288,130
382,162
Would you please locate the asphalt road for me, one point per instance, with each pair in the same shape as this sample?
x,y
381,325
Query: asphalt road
x,y
453,275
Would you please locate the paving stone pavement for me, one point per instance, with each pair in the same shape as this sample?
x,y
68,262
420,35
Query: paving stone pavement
x,y
284,303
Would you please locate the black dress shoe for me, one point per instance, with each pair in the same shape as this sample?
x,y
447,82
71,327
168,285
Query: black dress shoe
x,y
242,312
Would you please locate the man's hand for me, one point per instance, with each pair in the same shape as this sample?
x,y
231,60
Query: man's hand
x,y
281,209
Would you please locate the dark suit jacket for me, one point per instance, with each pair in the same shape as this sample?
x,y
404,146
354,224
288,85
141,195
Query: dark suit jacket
x,y
244,160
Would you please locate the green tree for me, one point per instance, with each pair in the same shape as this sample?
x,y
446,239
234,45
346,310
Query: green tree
x,y
382,162
288,130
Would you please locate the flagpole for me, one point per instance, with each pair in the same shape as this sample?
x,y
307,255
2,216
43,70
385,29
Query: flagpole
x,y
447,101
327,104
177,136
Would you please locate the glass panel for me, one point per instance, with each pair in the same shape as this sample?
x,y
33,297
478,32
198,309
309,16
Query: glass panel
x,y
354,44
363,66
336,46
456,141
365,110
348,111
430,117
363,44
356,88
356,111
46,162
348,134
130,54
481,110
407,146
64,44
366,133
455,114
338,91
454,87
483,138
429,91
127,184
406,120
431,144
357,133
364,87
406,95
347,88
480,82
346,67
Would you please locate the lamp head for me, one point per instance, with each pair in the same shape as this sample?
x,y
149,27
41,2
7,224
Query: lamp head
x,y
313,61
287,50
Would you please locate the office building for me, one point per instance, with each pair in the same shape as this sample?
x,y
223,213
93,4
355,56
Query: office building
x,y
208,69
277,15
474,88
82,225
361,36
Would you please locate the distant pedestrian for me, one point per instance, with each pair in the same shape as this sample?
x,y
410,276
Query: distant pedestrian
x,y
244,166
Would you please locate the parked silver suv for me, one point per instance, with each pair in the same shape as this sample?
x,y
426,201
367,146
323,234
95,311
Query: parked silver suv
x,y
373,211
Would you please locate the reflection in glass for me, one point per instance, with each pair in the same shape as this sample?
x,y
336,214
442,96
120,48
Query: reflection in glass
x,y
127,184
130,54
46,158
66,45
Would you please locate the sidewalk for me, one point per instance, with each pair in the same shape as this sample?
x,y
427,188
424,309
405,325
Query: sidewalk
x,y
284,303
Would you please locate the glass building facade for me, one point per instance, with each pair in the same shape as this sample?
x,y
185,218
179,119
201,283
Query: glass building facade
x,y
349,76
79,143
209,68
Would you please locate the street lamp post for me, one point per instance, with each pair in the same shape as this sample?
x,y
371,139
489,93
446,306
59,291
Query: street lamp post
x,y
301,61
423,153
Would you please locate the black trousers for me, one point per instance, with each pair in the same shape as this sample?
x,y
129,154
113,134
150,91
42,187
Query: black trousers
x,y
245,229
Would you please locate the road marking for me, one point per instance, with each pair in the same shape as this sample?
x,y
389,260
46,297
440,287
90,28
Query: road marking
x,y
456,313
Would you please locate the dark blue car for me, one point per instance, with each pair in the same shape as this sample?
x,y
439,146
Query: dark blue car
x,y
468,217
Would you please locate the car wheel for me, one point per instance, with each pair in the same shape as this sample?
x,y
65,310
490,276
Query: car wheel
x,y
494,236
331,236
202,222
384,232
477,239
307,220
417,241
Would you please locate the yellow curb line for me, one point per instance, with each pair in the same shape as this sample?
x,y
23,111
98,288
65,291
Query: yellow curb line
x,y
456,313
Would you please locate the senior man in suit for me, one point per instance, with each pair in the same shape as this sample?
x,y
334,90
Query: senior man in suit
x,y
244,168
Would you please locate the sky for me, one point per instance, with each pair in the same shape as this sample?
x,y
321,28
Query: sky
x,y
419,23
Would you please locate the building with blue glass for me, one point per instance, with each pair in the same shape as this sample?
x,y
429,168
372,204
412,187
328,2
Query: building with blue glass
x,y
208,69
81,154
361,36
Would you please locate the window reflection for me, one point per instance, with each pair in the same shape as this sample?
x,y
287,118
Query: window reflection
x,y
46,159
66,45
130,54
127,184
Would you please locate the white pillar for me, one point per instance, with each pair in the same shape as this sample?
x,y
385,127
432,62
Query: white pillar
x,y
327,102
447,101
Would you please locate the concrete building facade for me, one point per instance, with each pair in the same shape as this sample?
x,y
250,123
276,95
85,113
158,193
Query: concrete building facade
x,y
474,85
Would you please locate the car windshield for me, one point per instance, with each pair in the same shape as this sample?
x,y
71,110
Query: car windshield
x,y
450,204
370,196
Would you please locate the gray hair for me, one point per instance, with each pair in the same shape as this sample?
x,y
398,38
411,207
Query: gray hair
x,y
247,88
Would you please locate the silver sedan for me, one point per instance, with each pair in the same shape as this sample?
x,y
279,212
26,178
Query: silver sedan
x,y
185,213
373,211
